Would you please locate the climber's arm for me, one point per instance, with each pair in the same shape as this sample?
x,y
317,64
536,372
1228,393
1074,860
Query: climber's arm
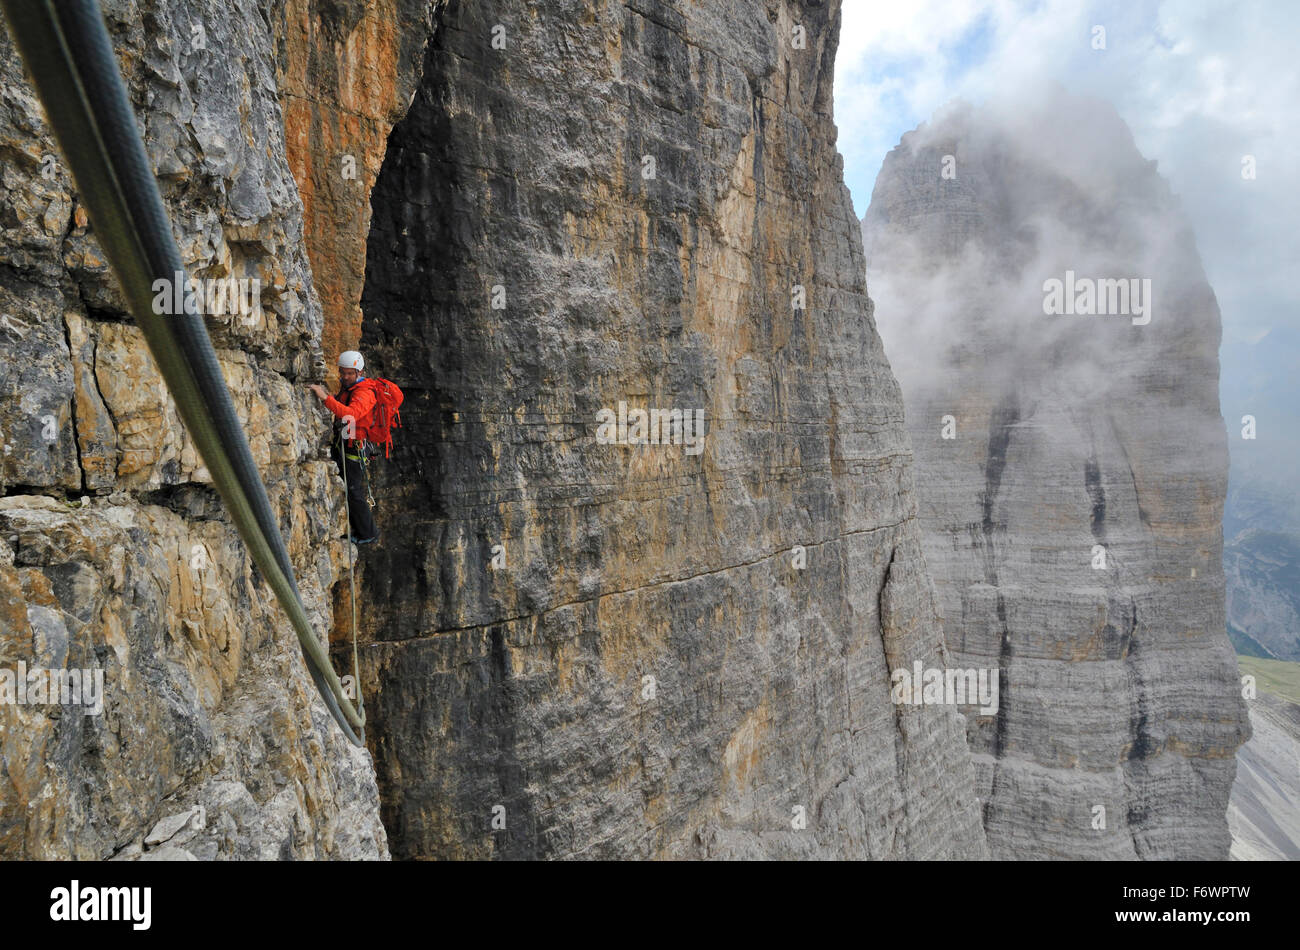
x,y
362,403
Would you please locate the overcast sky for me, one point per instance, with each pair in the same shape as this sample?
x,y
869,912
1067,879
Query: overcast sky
x,y
1200,83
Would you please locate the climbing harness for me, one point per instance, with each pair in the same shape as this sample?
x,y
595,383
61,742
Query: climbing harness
x,y
70,58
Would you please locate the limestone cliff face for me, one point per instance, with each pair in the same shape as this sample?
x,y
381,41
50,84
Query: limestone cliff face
x,y
115,554
603,650
1072,472
347,72
575,648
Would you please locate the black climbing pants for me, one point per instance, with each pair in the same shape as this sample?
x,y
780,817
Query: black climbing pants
x,y
359,516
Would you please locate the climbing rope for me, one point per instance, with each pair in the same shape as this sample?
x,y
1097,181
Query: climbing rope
x,y
67,52
352,587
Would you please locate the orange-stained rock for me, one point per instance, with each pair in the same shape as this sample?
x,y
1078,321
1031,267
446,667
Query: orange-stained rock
x,y
347,74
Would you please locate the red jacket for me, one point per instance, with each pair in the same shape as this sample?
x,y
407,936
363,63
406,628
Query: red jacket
x,y
360,405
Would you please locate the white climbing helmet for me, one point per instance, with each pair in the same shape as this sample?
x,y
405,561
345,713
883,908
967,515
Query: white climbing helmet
x,y
351,359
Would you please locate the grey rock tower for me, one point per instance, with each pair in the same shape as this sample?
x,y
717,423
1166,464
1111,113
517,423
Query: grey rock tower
x,y
1071,470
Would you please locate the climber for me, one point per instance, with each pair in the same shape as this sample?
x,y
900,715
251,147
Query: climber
x,y
357,403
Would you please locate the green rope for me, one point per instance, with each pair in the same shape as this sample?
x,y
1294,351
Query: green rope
x,y
67,52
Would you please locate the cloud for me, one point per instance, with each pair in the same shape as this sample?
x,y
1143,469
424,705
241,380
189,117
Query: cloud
x,y
1200,84
970,276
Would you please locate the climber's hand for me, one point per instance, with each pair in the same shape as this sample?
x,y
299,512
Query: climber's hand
x,y
320,392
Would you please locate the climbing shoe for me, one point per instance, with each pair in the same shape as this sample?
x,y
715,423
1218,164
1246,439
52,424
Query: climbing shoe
x,y
356,540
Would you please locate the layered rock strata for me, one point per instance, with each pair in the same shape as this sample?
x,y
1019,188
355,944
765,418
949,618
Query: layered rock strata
x,y
1072,471
586,649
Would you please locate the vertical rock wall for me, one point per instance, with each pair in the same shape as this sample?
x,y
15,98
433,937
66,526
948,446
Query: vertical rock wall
x,y
115,553
1072,471
597,650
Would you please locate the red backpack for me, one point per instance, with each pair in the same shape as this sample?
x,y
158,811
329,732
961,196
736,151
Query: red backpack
x,y
385,416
